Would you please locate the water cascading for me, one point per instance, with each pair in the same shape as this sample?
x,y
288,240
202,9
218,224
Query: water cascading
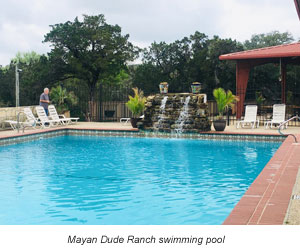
x,y
183,116
162,112
176,113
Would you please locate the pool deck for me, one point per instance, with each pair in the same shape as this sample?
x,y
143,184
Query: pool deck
x,y
268,201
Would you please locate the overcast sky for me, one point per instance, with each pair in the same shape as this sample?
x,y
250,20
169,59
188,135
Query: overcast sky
x,y
23,23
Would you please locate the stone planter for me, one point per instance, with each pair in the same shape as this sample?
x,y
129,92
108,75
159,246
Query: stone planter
x,y
219,125
134,122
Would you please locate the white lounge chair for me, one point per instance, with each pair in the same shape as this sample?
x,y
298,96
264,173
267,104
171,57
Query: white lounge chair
x,y
278,116
31,121
30,116
15,125
126,120
55,116
43,118
250,117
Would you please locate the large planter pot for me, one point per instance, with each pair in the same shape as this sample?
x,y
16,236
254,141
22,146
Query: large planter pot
x,y
219,125
163,87
196,87
134,122
67,114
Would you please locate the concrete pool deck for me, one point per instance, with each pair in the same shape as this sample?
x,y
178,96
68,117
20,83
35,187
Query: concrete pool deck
x,y
127,127
268,201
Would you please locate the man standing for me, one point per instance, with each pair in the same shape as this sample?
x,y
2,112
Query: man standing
x,y
44,100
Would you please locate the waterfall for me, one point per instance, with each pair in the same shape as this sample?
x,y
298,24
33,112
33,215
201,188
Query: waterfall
x,y
162,111
184,114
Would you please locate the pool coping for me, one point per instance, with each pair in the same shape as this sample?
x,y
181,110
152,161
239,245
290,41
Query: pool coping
x,y
264,203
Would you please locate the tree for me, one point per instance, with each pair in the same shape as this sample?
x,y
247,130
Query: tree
x,y
193,58
265,78
91,50
221,73
269,39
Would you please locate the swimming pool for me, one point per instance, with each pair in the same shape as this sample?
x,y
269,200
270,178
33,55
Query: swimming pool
x,y
116,180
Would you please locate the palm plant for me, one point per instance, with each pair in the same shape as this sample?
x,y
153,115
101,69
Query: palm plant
x,y
62,98
259,98
224,100
136,103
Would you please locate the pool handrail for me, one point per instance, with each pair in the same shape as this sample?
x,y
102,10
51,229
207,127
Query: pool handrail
x,y
282,124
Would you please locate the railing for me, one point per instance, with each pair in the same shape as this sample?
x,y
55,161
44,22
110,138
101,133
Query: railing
x,y
18,121
282,124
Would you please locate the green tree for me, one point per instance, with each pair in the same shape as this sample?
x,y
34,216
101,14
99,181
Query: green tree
x,y
265,78
269,39
193,58
90,50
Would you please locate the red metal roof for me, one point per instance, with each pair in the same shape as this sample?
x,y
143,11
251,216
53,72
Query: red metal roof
x,y
285,50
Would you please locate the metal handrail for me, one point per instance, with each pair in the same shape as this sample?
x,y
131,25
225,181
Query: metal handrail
x,y
282,124
18,121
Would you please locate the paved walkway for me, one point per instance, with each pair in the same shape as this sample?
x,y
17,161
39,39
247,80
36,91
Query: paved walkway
x,y
118,126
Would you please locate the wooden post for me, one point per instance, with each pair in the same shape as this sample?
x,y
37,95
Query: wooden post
x,y
242,76
283,83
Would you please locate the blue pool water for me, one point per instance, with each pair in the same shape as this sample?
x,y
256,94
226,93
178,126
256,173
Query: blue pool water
x,y
110,180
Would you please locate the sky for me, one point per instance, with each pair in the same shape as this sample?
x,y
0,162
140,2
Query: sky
x,y
23,23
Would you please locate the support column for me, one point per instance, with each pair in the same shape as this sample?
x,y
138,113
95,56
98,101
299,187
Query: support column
x,y
283,83
242,76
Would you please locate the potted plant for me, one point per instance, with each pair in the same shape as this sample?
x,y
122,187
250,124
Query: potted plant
x,y
224,100
63,100
136,105
259,100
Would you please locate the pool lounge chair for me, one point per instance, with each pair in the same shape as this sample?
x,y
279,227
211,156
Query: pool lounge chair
x,y
250,117
15,125
126,120
64,120
30,116
31,121
278,116
43,118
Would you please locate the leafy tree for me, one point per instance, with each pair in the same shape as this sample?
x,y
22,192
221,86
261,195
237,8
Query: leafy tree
x,y
182,62
269,39
90,50
221,73
26,58
265,78
147,76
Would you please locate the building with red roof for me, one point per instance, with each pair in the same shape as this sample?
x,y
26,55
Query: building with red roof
x,y
246,60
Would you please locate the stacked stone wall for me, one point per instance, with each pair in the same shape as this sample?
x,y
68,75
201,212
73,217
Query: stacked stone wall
x,y
156,119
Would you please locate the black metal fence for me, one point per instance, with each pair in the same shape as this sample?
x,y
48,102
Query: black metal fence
x,y
264,112
109,103
110,106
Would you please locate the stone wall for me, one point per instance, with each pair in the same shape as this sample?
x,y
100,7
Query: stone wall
x,y
180,112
